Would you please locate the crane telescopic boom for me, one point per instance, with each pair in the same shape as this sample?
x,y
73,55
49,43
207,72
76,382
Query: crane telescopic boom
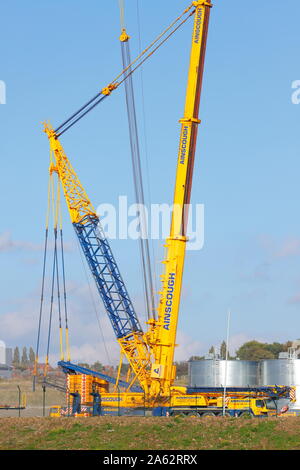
x,y
164,339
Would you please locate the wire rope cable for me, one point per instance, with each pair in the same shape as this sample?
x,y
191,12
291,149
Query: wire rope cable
x,y
139,60
138,183
153,254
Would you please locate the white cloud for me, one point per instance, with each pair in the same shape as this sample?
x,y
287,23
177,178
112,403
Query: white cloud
x,y
236,341
295,299
187,347
87,328
289,246
7,244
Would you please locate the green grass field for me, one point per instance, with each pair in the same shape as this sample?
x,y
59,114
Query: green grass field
x,y
126,433
31,431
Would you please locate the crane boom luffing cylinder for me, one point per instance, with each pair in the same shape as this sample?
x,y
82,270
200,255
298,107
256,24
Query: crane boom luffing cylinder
x,y
150,354
165,334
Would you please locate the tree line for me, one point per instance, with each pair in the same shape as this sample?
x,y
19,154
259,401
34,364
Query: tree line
x,y
250,351
25,360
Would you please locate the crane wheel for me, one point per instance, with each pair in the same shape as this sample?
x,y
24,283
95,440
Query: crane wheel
x,y
208,414
245,414
180,413
193,414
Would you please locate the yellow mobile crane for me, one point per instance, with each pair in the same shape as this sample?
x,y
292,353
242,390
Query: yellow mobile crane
x,y
150,354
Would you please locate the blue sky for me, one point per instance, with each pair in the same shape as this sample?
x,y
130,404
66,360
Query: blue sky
x,y
54,57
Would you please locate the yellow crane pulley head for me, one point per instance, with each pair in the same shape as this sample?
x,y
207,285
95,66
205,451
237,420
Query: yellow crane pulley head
x,y
109,88
48,129
200,3
124,36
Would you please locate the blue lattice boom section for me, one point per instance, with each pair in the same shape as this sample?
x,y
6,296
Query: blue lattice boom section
x,y
69,368
107,276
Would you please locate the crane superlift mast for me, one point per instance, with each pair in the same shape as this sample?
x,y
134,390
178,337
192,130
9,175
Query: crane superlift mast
x,y
150,354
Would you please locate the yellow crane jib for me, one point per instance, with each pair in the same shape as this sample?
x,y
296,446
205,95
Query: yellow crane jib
x,y
163,371
77,200
103,266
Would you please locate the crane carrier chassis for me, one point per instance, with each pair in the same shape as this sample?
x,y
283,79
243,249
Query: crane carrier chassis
x,y
87,395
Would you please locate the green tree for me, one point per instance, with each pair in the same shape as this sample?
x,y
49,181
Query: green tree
x,y
24,360
196,358
212,350
223,350
31,356
181,368
98,367
16,358
254,351
277,348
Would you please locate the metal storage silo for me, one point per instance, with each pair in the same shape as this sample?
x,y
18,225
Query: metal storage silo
x,y
281,372
239,373
202,373
212,373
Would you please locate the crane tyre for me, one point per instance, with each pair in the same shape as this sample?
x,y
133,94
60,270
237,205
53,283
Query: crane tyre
x,y
193,414
208,414
245,414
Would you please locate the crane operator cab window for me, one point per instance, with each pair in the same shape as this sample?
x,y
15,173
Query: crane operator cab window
x,y
260,403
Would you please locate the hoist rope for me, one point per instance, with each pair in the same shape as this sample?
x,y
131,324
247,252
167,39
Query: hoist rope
x,y
138,185
54,210
54,266
43,286
155,49
58,222
146,145
59,307
51,303
92,103
121,9
65,296
152,44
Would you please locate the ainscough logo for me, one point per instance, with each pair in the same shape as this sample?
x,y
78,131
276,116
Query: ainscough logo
x,y
183,144
169,301
2,92
198,26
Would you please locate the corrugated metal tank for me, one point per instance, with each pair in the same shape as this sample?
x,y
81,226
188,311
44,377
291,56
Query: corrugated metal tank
x,y
211,373
281,372
202,373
